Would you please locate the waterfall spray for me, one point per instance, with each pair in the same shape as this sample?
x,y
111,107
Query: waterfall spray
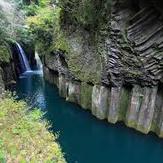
x,y
38,61
23,59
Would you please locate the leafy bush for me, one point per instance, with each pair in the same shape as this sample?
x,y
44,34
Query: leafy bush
x,y
43,26
88,13
5,53
31,10
24,136
12,27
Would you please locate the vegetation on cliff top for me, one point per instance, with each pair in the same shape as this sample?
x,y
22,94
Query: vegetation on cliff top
x,y
12,27
43,24
24,136
88,13
51,25
47,19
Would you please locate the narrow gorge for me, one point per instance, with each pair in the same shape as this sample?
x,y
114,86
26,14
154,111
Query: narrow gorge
x,y
112,68
81,81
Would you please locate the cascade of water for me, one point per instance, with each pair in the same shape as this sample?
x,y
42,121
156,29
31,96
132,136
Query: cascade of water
x,y
38,61
23,59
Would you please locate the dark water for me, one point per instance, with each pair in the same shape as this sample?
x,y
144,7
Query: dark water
x,y
83,138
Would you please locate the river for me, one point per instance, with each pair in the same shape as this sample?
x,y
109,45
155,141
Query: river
x,y
83,138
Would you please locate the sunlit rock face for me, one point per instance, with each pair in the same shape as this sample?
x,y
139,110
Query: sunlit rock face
x,y
115,70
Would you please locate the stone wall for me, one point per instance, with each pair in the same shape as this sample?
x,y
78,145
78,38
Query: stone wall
x,y
138,107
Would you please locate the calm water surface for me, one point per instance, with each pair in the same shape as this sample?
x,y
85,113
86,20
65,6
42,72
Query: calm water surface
x,y
83,138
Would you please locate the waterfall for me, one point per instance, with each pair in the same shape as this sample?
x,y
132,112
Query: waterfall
x,y
38,61
23,59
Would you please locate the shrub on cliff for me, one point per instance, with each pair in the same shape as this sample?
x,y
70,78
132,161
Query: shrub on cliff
x,y
88,13
12,27
24,137
5,53
43,26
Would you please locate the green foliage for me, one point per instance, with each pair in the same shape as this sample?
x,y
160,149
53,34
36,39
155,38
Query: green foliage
x,y
5,53
89,13
43,26
34,143
31,10
45,20
60,42
11,27
3,26
44,3
11,19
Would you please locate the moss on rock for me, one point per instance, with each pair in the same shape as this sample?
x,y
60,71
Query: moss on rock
x,y
86,95
124,103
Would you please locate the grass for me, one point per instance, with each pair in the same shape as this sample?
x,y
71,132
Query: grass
x,y
24,137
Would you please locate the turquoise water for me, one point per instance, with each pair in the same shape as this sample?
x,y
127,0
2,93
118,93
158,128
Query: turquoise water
x,y
83,138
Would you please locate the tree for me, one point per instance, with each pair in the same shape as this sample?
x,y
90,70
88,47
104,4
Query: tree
x,y
11,19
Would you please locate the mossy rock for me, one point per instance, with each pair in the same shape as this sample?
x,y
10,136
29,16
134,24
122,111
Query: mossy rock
x,y
82,57
86,95
124,103
131,123
155,128
143,129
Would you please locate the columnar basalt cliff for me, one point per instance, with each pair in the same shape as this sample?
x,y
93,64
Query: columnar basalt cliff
x,y
113,68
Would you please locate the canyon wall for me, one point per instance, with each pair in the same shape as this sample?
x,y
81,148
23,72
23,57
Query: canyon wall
x,y
8,73
113,66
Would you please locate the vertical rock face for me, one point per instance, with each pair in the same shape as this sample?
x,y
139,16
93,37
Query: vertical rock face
x,y
124,103
158,113
116,69
139,107
114,105
141,111
73,92
147,109
86,95
63,86
133,110
100,98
